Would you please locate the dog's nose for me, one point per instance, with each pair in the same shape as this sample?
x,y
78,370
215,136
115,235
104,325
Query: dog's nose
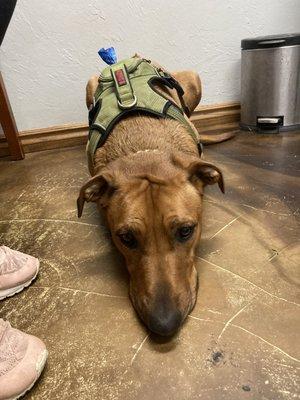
x,y
164,322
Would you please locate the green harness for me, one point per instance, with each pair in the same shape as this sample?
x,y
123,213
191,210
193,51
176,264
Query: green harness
x,y
127,87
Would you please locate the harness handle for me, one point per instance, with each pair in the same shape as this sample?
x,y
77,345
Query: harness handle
x,y
124,92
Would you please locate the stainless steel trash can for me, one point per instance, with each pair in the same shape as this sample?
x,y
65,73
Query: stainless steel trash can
x,y
270,83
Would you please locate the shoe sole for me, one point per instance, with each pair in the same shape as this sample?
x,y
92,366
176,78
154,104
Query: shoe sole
x,y
17,289
39,368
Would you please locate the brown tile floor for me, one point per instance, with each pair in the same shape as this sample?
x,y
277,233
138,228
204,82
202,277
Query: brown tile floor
x,y
242,339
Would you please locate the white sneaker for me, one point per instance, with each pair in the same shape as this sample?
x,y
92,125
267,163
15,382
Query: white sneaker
x,y
22,360
17,271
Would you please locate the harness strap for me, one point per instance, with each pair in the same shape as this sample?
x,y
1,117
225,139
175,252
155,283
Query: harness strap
x,y
174,84
93,142
172,112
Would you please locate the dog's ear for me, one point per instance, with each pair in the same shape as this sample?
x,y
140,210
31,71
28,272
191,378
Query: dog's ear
x,y
91,88
100,187
208,173
199,170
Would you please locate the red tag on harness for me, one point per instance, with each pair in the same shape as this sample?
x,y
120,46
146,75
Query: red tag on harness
x,y
120,77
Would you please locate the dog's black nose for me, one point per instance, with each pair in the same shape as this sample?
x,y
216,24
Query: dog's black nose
x,y
164,322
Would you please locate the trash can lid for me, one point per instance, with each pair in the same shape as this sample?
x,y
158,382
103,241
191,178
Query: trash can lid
x,y
264,42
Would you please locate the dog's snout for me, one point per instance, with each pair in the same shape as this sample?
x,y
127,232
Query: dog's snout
x,y
165,325
164,320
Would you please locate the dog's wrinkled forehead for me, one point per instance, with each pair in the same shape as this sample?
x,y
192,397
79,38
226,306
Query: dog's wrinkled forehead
x,y
148,164
148,201
175,181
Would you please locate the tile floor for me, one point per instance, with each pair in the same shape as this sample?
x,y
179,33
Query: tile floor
x,y
241,340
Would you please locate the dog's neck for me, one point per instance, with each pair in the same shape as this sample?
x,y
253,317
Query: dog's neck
x,y
144,136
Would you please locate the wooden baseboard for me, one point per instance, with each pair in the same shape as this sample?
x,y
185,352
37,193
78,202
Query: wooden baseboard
x,y
209,120
217,118
54,137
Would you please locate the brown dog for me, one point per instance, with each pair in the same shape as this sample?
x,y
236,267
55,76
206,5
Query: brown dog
x,y
148,180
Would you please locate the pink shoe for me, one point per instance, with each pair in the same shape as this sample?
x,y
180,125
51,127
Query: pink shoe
x,y
22,359
17,271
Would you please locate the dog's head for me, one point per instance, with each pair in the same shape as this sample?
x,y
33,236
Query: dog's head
x,y
153,206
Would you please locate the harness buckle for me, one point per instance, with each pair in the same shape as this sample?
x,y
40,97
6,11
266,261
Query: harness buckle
x,y
172,82
176,85
127,106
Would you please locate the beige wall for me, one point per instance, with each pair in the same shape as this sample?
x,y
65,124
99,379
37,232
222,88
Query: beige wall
x,y
50,49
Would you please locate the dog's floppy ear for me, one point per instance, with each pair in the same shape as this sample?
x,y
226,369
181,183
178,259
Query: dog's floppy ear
x,y
198,169
100,187
208,173
91,88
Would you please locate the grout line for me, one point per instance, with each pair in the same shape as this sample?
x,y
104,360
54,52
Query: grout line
x,y
213,311
250,333
279,252
276,253
233,317
56,270
79,291
266,211
265,341
204,319
47,220
224,227
139,348
251,283
210,199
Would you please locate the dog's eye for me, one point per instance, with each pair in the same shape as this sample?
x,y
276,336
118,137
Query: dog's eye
x,y
185,232
128,239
